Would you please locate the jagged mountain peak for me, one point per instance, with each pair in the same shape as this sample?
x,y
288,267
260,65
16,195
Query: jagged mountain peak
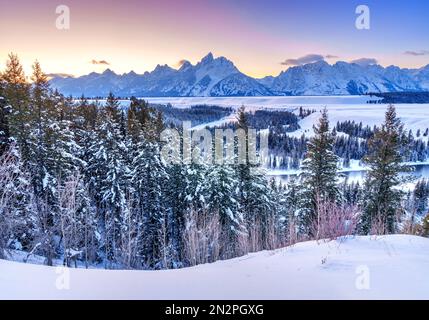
x,y
131,73
207,58
219,77
108,72
162,68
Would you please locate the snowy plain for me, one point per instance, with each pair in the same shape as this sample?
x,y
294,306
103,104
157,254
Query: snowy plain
x,y
382,267
340,108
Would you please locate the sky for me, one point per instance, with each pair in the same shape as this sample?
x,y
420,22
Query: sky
x,y
261,37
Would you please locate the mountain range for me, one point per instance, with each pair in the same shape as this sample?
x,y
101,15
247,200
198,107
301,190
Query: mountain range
x,y
220,77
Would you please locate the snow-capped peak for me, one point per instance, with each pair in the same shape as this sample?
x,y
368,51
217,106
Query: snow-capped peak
x,y
108,72
219,77
207,59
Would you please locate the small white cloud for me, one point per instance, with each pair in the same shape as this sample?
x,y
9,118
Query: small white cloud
x,y
309,58
365,61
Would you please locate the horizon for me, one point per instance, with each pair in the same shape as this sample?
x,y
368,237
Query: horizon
x,y
261,39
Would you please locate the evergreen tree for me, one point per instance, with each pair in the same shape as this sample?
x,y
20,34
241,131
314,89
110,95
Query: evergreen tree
x,y
148,176
421,197
319,172
16,92
381,199
109,176
17,216
5,111
222,199
255,203
292,205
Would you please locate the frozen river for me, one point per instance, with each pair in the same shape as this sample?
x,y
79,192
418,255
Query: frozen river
x,y
419,172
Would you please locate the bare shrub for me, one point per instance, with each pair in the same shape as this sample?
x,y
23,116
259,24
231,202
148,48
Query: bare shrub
x,y
68,208
334,220
292,236
201,237
76,221
243,243
272,239
127,254
425,226
378,226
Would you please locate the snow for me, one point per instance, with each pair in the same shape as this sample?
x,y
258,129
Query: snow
x,y
260,102
382,267
340,108
414,116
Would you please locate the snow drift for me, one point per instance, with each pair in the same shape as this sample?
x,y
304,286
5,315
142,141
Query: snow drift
x,y
387,267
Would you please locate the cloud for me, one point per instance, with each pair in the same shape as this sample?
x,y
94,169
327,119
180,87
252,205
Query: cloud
x,y
365,61
93,61
62,75
181,62
309,58
417,53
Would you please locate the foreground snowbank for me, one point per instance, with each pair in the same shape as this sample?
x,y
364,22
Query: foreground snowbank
x,y
389,267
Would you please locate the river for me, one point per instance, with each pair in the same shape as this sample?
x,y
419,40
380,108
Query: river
x,y
420,171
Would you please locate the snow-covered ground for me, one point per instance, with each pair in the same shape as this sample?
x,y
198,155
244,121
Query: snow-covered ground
x,y
273,102
414,116
388,267
340,108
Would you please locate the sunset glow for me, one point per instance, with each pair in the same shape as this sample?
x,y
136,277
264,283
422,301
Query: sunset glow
x,y
138,35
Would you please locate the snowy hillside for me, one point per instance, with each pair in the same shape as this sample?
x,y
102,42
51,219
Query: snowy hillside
x,y
220,77
387,267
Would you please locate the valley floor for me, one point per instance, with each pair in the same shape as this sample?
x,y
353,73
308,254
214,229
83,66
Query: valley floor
x,y
382,267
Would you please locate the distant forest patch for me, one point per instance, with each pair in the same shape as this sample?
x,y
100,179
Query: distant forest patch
x,y
197,114
400,97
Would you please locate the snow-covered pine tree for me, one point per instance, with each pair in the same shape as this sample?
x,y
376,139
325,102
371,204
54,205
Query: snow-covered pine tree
x,y
281,221
84,124
177,205
381,199
53,148
255,203
319,172
17,217
292,205
109,181
148,177
421,197
222,199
